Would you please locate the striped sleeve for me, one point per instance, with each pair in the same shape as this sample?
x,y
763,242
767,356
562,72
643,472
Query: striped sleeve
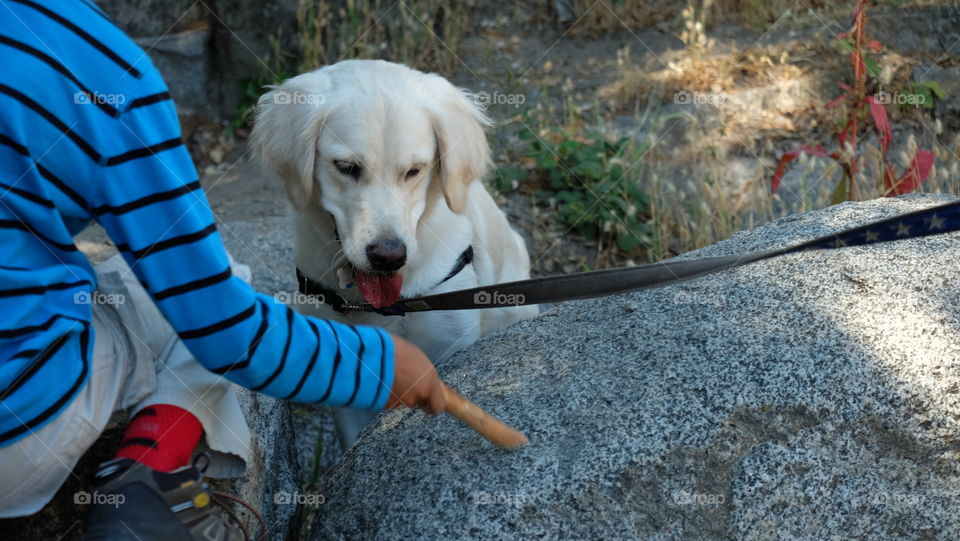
x,y
150,202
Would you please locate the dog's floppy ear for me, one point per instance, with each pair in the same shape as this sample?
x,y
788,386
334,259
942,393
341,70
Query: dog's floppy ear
x,y
463,154
287,125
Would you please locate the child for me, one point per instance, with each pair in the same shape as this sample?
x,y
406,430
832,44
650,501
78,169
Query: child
x,y
88,132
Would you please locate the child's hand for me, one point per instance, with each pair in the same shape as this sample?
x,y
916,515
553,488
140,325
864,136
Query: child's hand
x,y
415,381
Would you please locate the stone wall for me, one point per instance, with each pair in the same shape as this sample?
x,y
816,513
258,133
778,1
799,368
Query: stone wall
x,y
205,49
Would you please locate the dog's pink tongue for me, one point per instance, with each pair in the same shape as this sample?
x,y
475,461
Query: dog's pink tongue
x,y
379,290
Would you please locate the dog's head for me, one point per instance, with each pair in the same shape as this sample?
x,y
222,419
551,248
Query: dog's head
x,y
365,140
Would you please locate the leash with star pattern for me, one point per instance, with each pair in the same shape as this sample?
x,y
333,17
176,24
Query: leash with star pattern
x,y
584,285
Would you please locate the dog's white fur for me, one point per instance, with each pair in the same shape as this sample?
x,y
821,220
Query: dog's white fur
x,y
421,145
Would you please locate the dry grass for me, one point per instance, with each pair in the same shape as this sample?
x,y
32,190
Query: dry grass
x,y
608,16
710,73
714,203
424,34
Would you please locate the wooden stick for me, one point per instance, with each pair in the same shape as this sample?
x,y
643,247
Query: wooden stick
x,y
473,416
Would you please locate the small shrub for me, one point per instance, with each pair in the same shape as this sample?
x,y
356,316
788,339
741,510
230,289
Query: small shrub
x,y
251,88
591,184
864,110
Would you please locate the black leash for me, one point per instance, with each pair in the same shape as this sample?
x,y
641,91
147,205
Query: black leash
x,y
584,285
309,286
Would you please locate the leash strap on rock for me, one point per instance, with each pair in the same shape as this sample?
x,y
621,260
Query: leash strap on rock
x,y
585,285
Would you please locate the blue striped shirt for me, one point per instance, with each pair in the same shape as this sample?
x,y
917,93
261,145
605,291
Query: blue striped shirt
x,y
88,132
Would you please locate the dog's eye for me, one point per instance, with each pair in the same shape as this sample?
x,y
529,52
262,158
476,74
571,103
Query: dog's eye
x,y
414,171
350,169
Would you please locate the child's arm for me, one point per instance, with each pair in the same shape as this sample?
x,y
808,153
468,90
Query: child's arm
x,y
153,209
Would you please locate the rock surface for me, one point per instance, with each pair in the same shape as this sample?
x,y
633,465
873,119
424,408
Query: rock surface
x,y
274,471
812,396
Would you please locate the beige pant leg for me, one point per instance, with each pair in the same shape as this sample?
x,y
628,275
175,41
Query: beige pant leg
x,y
178,379
33,469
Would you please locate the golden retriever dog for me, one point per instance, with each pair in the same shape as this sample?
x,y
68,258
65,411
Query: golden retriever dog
x,y
383,166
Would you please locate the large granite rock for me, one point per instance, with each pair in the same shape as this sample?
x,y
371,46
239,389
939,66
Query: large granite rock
x,y
813,396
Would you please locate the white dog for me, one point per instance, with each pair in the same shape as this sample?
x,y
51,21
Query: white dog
x,y
383,166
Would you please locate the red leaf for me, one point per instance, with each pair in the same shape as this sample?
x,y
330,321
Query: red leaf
x,y
882,123
781,169
789,157
916,174
874,44
813,151
836,102
846,87
844,135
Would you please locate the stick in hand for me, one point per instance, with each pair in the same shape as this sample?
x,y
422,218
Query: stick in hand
x,y
473,416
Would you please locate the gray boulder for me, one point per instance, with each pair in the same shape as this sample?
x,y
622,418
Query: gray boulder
x,y
813,396
273,472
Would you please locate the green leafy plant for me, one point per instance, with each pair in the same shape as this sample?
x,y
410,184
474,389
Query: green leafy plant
x,y
590,183
251,88
924,93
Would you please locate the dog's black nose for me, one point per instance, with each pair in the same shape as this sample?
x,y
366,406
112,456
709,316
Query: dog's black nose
x,y
387,255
